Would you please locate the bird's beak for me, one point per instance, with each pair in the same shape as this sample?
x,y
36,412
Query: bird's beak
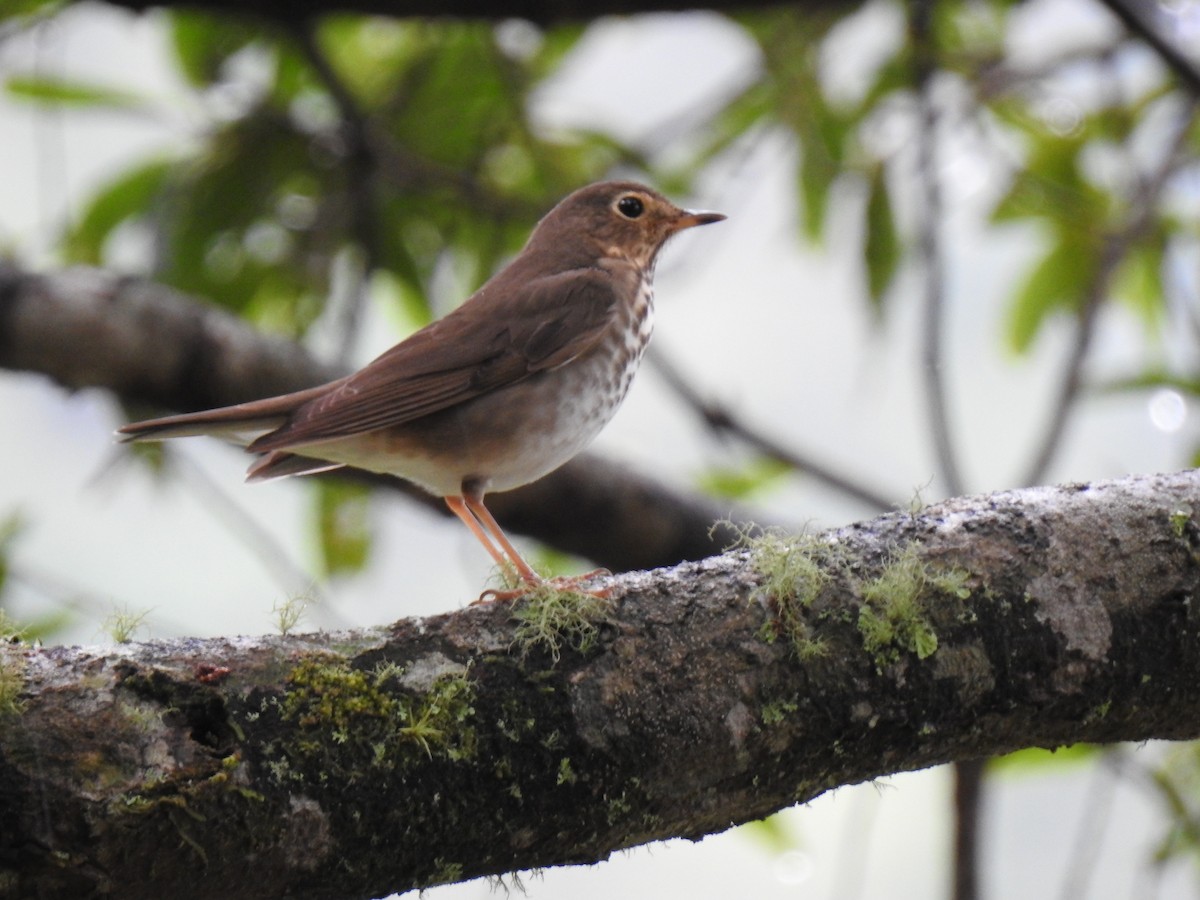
x,y
690,219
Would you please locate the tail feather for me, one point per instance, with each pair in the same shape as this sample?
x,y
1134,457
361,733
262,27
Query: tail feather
x,y
241,423
192,424
279,464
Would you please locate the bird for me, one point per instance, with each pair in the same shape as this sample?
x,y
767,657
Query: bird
x,y
504,389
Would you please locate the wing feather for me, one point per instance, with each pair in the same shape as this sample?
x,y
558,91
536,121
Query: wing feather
x,y
553,320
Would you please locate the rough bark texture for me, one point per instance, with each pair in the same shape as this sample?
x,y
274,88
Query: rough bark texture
x,y
354,764
153,346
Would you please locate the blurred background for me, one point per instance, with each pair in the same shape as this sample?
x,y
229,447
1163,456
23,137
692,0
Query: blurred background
x,y
962,255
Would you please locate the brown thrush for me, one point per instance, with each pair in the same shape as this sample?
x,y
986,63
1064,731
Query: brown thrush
x,y
501,391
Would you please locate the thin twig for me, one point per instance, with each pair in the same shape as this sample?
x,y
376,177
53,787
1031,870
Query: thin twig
x,y
1133,17
930,250
721,420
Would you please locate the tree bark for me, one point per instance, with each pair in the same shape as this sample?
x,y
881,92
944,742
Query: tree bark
x,y
153,346
355,764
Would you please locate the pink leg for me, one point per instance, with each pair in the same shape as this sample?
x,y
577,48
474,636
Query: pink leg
x,y
475,505
488,532
459,507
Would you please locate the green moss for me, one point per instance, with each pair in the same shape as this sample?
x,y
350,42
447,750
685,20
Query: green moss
x,y
1184,527
789,565
551,618
122,624
793,570
12,683
445,872
618,808
777,711
1179,520
368,712
288,613
893,615
1099,713
188,797
566,774
10,631
809,648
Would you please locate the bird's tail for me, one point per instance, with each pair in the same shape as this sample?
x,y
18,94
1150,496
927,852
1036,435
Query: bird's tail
x,y
241,423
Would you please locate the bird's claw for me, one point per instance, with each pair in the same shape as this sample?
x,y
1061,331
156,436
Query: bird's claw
x,y
570,583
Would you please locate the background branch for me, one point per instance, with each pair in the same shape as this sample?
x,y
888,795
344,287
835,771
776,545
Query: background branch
x,y
724,421
1137,18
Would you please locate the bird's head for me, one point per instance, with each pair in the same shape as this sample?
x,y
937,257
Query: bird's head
x,y
615,220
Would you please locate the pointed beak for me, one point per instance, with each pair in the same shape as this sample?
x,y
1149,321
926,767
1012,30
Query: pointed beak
x,y
690,219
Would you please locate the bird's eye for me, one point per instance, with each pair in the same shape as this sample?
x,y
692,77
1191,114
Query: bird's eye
x,y
630,206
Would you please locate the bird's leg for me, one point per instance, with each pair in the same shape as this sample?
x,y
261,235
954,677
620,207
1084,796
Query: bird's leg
x,y
485,518
506,555
531,579
460,508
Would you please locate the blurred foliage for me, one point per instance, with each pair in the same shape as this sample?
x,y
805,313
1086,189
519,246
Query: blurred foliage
x,y
756,477
1177,785
254,212
1033,760
406,150
343,525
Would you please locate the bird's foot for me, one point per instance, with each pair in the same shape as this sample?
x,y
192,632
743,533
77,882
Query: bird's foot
x,y
571,584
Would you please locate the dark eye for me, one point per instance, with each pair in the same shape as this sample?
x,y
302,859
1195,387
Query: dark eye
x,y
630,207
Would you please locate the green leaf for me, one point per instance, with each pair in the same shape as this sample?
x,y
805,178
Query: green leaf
x,y
1052,185
62,92
371,54
225,235
1056,283
740,483
343,526
1035,760
823,133
129,196
15,8
1138,281
744,112
881,245
771,833
203,42
1151,378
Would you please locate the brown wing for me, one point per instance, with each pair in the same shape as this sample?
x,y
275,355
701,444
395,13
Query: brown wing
x,y
469,352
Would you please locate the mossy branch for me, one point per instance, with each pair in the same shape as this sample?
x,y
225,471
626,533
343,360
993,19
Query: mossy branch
x,y
357,764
